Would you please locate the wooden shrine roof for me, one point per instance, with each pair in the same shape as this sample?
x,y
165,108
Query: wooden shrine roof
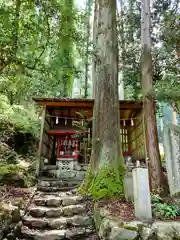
x,y
69,107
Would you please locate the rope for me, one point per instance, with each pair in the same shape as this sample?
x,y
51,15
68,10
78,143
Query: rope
x,y
122,119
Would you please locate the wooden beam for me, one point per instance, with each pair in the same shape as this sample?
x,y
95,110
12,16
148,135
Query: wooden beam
x,y
135,105
38,163
71,104
67,104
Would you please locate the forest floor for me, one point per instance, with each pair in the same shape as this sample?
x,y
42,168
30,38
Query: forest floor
x,y
125,211
15,196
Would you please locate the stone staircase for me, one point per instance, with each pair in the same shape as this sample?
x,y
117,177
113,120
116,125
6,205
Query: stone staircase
x,y
53,185
55,215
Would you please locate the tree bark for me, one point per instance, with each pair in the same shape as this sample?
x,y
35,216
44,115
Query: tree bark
x,y
106,118
88,28
121,50
94,49
155,168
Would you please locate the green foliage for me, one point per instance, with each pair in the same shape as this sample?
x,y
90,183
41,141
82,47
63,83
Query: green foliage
x,y
19,131
155,198
39,43
42,48
108,183
165,48
25,120
10,168
164,210
16,119
84,188
162,159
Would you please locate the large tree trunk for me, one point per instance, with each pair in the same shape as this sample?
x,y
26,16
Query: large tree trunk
x,y
94,49
155,169
88,28
106,120
107,165
121,50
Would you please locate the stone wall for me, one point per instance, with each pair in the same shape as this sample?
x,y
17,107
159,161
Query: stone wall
x,y
172,157
111,228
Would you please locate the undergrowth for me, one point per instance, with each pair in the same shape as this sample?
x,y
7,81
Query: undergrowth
x,y
19,130
84,188
164,210
17,119
107,183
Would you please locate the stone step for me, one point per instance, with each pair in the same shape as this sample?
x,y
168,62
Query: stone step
x,y
54,189
51,185
71,233
58,223
53,201
57,194
77,174
49,167
55,182
48,212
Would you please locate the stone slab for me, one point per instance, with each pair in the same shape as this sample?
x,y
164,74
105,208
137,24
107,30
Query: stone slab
x,y
142,200
172,157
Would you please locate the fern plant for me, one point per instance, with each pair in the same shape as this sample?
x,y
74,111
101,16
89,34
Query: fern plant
x,y
106,183
164,210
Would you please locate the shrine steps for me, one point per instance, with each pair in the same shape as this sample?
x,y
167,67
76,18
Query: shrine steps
x,y
58,215
52,185
70,172
50,167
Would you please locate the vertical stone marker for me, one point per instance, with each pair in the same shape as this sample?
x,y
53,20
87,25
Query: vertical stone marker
x,y
172,157
142,199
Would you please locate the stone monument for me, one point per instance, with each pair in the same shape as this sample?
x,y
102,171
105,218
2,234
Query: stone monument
x,y
142,199
172,157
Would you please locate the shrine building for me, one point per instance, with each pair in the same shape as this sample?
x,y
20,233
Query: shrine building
x,y
66,131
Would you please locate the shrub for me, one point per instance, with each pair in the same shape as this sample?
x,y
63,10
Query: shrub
x,y
19,129
107,183
16,119
164,210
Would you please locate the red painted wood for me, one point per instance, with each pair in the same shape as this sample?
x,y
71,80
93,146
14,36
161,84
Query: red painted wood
x,y
63,133
127,154
66,156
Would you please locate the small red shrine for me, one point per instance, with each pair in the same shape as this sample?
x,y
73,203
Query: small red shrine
x,y
67,139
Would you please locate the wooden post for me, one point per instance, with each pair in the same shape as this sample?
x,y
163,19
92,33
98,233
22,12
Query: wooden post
x,y
53,160
39,162
58,147
76,148
135,139
129,141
